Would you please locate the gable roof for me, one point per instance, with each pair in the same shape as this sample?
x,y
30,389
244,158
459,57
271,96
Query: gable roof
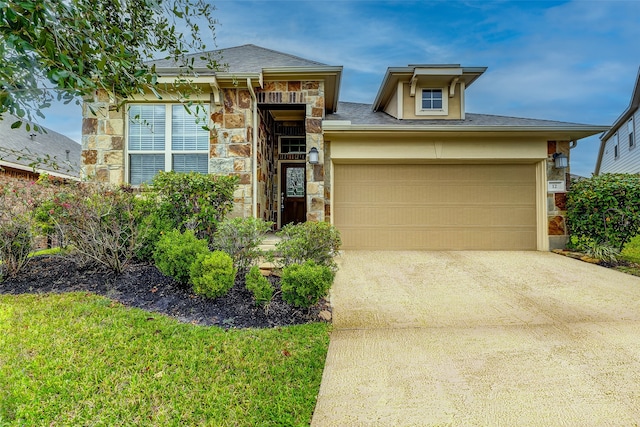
x,y
361,117
49,151
626,114
247,58
239,63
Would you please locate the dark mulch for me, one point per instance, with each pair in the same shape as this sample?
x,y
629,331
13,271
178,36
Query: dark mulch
x,y
143,286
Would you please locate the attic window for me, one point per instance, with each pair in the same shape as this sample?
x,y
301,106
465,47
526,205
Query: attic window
x,y
432,101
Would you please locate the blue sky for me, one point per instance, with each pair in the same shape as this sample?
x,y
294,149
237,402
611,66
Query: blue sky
x,y
572,61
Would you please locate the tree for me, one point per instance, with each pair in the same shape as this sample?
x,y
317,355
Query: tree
x,y
69,49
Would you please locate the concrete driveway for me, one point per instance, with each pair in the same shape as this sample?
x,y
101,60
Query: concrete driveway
x,y
481,339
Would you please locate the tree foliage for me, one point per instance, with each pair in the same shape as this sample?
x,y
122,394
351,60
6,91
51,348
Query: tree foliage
x,y
70,49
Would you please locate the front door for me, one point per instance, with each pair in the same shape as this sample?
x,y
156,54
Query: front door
x,y
293,201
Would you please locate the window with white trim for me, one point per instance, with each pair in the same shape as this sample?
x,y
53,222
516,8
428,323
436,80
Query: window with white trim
x,y
165,137
432,101
616,147
632,141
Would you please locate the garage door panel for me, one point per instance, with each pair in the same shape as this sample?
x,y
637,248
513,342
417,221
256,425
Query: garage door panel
x,y
436,207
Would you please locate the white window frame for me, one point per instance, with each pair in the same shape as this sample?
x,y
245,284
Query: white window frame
x,y
168,152
432,111
631,133
616,146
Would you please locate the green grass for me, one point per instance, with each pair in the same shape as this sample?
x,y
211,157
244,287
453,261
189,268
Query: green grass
x,y
50,251
80,359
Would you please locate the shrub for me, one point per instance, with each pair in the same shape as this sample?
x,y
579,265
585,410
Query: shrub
x,y
594,249
304,284
259,286
213,274
152,226
16,242
605,208
631,250
240,238
309,241
176,252
99,222
189,201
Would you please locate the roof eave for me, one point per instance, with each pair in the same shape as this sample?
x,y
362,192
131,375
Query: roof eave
x,y
573,133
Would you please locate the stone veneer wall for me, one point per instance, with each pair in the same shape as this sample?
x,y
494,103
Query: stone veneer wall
x,y
102,141
267,169
557,202
231,144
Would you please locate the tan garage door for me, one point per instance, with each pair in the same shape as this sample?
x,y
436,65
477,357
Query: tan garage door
x,y
436,207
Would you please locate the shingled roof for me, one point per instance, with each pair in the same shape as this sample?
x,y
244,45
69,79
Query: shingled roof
x,y
48,151
358,115
247,58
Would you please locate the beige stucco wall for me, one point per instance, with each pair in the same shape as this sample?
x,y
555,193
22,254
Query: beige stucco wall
x,y
557,202
409,102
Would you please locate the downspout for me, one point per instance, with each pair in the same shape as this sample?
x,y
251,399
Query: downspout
x,y
254,152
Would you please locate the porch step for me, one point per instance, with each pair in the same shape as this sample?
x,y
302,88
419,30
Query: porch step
x,y
269,242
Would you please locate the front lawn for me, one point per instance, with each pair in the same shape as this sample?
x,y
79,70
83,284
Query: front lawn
x,y
81,359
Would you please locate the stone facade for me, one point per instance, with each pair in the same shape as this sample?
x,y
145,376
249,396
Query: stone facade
x,y
231,145
102,141
557,202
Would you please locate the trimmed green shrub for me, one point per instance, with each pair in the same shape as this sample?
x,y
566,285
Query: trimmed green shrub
x,y
189,201
304,284
631,250
240,238
213,275
605,208
309,241
259,286
176,252
16,242
594,249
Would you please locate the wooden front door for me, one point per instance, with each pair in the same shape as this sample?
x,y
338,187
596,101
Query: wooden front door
x,y
293,200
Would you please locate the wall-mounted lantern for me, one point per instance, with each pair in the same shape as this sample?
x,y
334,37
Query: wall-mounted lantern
x,y
561,161
313,156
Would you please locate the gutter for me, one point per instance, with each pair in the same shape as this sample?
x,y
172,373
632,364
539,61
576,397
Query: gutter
x,y
254,152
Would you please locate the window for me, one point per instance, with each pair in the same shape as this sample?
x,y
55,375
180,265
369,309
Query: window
x,y
165,137
616,147
432,99
290,145
630,132
432,102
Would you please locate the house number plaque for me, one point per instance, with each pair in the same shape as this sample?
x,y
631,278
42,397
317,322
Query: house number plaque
x,y
556,187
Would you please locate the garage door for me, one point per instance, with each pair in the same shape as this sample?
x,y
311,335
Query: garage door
x,y
436,207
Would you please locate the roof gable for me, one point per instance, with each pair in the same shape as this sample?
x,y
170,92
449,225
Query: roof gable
x,y
247,58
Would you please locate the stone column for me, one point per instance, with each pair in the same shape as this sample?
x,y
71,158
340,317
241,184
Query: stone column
x,y
314,96
230,146
102,141
557,202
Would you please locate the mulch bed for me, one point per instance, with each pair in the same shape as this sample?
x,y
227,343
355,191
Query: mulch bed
x,y
143,286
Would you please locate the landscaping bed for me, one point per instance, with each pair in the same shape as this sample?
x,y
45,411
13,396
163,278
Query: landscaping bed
x,y
142,285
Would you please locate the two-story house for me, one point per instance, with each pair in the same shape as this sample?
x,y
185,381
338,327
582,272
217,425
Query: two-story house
x,y
411,171
618,153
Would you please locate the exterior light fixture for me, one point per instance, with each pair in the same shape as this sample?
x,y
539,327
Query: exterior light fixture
x,y
313,156
561,161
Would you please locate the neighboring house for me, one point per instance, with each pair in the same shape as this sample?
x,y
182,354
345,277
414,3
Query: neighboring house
x,y
411,171
27,154
618,153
